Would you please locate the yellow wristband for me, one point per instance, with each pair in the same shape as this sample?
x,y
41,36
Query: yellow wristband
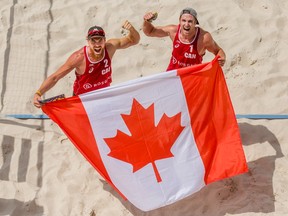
x,y
38,93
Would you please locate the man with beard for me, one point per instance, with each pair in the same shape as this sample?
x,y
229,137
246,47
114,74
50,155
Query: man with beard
x,y
92,63
190,42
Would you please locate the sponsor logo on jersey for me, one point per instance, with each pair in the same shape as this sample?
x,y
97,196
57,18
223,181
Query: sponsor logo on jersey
x,y
87,86
174,60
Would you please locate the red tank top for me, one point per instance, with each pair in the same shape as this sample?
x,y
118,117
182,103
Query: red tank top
x,y
184,54
97,74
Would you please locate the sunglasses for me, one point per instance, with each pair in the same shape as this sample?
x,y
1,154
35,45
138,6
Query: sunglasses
x,y
98,32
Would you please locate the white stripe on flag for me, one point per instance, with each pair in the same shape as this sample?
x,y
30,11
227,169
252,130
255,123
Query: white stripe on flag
x,y
181,175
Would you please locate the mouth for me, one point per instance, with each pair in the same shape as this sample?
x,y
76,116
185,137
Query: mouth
x,y
186,28
97,50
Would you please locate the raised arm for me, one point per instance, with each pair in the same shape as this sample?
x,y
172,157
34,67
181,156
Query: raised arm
x,y
157,31
131,39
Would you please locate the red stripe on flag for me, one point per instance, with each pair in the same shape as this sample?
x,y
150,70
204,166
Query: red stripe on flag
x,y
71,117
213,121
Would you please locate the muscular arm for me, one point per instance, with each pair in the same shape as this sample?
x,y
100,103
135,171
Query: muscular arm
x,y
131,39
73,62
214,48
157,31
151,31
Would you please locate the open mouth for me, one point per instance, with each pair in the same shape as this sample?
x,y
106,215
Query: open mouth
x,y
97,50
186,28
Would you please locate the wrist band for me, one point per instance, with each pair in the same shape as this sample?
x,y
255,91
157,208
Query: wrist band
x,y
38,93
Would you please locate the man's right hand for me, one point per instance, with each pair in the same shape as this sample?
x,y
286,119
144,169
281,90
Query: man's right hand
x,y
150,16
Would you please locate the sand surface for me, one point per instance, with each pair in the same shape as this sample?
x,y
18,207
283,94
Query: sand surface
x,y
41,172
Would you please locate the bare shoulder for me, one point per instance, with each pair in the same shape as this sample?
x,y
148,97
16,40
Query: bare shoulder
x,y
111,46
203,32
76,57
78,53
205,35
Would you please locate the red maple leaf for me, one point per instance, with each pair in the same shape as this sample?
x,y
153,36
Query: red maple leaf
x,y
147,142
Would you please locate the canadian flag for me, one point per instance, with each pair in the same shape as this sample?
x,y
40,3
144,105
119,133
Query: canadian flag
x,y
157,139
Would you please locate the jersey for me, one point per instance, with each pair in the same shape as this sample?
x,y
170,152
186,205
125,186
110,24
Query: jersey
x,y
184,54
97,74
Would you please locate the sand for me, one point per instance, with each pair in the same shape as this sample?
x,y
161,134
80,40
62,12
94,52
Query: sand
x,y
41,172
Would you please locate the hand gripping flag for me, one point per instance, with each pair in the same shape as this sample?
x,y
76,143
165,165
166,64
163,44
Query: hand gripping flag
x,y
157,139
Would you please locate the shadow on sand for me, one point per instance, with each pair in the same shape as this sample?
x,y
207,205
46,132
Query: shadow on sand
x,y
9,149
